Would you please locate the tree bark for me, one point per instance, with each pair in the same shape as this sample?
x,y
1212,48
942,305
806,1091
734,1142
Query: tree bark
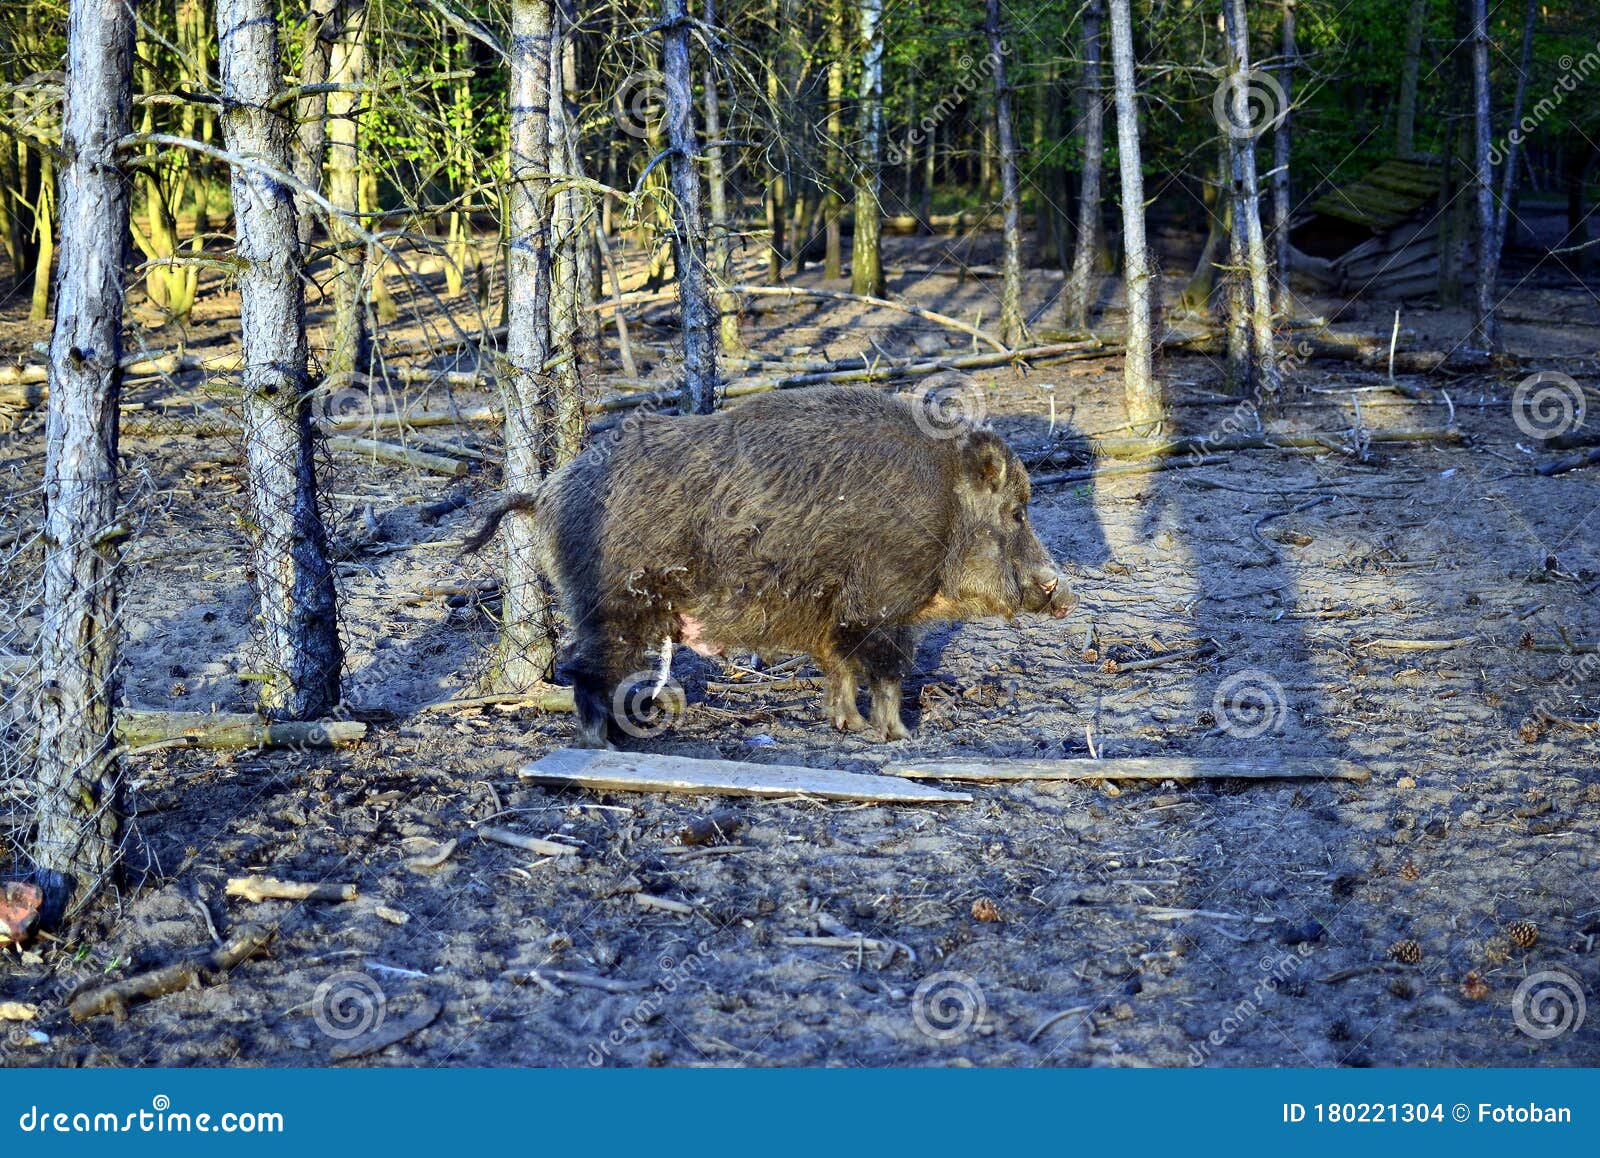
x,y
347,66
1406,116
1281,188
701,378
525,652
833,175
1013,328
300,632
1142,391
1079,295
866,257
311,109
1485,329
79,785
720,243
568,337
1247,202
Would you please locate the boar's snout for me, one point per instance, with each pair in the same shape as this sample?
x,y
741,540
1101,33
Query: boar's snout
x,y
1047,591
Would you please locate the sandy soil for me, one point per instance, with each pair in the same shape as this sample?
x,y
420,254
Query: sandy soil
x,y
1225,923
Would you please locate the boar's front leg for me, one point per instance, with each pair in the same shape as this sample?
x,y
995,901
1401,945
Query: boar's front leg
x,y
886,656
839,700
585,669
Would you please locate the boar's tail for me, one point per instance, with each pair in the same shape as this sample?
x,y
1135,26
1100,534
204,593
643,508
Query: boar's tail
x,y
516,502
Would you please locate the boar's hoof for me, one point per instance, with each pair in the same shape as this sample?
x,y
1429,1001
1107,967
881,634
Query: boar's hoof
x,y
847,718
892,731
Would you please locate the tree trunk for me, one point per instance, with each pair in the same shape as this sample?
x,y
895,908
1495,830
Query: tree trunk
x,y
567,240
1411,69
1013,329
1143,393
1079,294
1247,199
1281,189
525,652
78,783
44,232
299,620
866,255
347,67
720,243
1513,151
701,380
1485,335
311,135
833,176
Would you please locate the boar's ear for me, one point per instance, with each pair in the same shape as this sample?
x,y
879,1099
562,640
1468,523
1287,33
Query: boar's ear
x,y
983,457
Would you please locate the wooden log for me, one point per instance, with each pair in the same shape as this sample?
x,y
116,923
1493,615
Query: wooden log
x,y
257,889
1572,463
136,728
526,843
398,455
1181,768
116,997
648,772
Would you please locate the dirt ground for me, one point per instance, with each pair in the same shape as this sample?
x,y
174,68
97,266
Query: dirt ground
x,y
1220,923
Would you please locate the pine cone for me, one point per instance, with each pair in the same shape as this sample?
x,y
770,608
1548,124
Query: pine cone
x,y
1523,934
1473,987
1407,952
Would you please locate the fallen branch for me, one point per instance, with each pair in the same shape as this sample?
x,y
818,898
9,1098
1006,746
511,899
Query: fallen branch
x,y
116,997
398,455
137,727
582,980
389,1031
259,889
526,843
1572,463
1204,649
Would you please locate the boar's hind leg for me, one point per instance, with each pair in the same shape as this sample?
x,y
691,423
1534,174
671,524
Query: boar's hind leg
x,y
886,656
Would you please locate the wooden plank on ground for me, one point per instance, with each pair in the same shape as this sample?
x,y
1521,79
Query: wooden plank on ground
x,y
648,772
1134,768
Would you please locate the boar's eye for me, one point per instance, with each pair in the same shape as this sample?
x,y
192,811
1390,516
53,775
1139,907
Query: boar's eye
x,y
1019,516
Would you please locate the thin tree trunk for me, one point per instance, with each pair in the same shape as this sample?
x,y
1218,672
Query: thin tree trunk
x,y
866,251
701,379
566,240
720,243
1143,392
1485,330
311,134
1281,188
1411,69
44,231
78,782
1247,200
775,198
525,653
298,613
832,200
1079,295
1013,329
347,67
1513,152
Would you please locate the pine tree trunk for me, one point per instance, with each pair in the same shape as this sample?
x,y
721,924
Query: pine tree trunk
x,y
1013,329
702,384
567,337
1485,330
298,614
1247,202
1143,393
1411,70
1281,188
1079,293
866,252
525,653
832,199
79,787
311,109
347,67
720,243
